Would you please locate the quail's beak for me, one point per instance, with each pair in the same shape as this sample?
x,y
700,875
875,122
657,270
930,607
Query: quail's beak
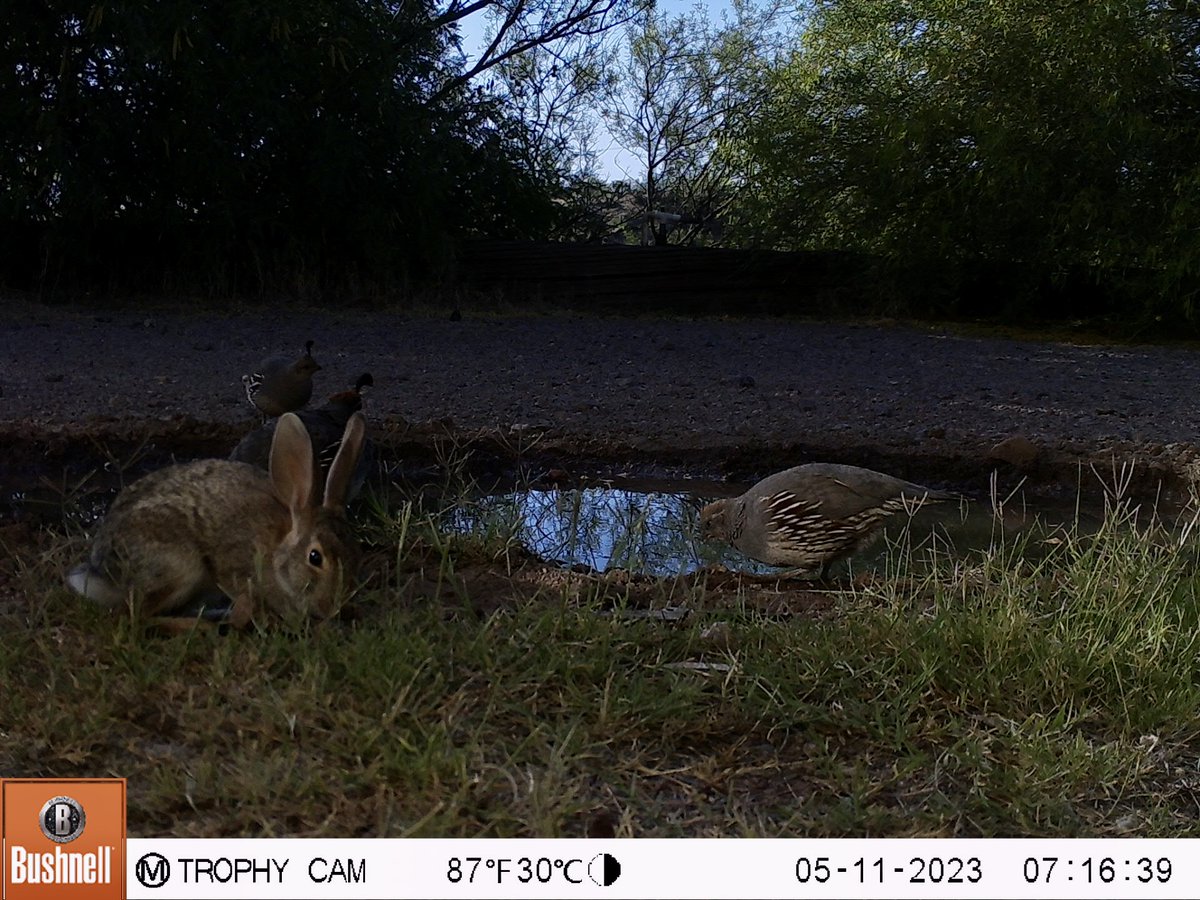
x,y
712,521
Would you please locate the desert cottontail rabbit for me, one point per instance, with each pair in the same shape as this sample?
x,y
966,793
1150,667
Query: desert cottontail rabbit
x,y
211,527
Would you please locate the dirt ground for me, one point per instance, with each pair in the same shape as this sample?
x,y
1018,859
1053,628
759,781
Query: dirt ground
x,y
714,398
705,703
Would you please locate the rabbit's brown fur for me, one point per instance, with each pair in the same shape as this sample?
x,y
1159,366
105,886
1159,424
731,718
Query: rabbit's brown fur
x,y
213,527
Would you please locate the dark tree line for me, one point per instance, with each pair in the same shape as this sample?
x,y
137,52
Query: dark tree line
x,y
993,157
236,146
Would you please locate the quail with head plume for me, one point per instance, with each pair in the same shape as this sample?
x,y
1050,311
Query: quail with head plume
x,y
809,517
325,426
281,385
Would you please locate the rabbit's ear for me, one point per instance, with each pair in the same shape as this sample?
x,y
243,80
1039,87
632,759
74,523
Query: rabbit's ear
x,y
341,471
292,463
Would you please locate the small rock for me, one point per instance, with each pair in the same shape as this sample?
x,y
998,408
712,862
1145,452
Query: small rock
x,y
718,634
602,825
936,433
1016,450
745,382
698,665
55,377
1128,822
666,614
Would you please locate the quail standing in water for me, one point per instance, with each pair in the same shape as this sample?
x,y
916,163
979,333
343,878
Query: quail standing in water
x,y
809,517
325,425
281,385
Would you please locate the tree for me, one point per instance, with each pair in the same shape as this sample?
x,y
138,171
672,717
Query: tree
x,y
521,26
1038,138
277,145
552,94
685,84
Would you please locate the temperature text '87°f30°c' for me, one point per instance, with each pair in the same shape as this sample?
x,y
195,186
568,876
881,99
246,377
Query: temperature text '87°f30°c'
x,y
603,870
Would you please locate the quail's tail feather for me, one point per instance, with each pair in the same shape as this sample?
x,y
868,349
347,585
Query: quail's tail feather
x,y
85,580
932,496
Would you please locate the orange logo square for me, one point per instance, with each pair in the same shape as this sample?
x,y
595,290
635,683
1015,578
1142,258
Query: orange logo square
x,y
63,839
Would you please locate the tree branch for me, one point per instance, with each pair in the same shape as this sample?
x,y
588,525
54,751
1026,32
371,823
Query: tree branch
x,y
580,18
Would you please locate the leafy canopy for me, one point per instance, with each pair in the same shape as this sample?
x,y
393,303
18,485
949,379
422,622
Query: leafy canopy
x,y
1049,135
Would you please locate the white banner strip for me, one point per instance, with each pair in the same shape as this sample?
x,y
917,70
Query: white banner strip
x,y
712,869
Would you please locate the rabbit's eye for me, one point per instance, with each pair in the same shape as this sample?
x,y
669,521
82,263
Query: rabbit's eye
x,y
315,558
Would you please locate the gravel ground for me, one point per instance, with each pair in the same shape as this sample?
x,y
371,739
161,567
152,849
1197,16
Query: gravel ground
x,y
652,384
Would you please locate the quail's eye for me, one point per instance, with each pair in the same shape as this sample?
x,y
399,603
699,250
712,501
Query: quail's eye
x,y
315,558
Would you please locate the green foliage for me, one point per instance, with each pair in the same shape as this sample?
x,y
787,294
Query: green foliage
x,y
234,146
684,82
1017,142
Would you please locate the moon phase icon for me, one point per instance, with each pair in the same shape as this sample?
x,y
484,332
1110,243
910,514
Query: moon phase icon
x,y
604,869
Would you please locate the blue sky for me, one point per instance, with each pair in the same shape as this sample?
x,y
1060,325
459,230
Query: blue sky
x,y
614,162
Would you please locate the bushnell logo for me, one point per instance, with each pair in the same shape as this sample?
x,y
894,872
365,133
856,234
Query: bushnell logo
x,y
63,839
63,819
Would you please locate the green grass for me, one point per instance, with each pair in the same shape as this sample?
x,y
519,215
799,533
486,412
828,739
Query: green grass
x,y
1040,687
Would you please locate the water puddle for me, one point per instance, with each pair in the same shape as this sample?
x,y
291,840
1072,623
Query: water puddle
x,y
51,506
656,531
650,527
652,532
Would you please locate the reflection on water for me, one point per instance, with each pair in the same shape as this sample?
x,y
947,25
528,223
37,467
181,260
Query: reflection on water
x,y
602,528
656,532
651,532
48,506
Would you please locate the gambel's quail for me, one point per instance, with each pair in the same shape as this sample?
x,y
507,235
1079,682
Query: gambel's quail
x,y
811,516
325,426
281,385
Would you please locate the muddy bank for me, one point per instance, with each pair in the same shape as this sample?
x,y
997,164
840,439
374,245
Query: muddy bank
x,y
34,461
595,397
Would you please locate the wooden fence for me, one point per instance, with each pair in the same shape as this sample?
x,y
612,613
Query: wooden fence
x,y
626,278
